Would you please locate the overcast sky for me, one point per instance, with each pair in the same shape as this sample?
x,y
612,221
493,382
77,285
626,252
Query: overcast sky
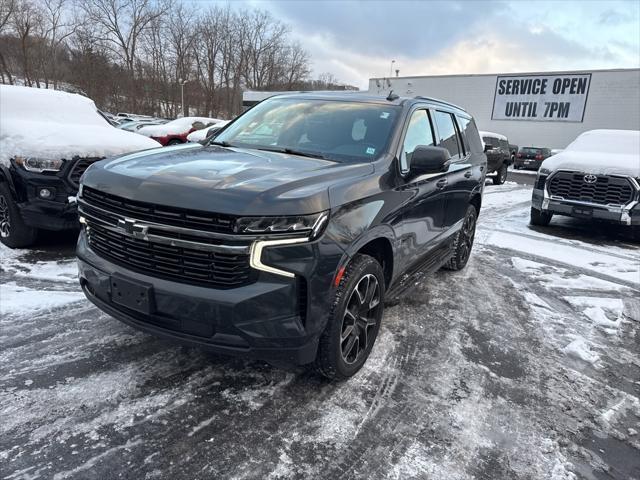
x,y
358,40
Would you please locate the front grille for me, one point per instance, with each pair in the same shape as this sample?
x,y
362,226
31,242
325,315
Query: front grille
x,y
79,168
177,217
184,265
606,190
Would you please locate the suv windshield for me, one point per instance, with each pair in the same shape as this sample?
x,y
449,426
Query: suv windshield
x,y
335,130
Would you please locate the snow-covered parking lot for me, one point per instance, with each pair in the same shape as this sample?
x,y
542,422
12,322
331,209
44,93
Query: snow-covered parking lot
x,y
525,365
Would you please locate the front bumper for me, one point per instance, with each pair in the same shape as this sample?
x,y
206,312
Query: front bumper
x,y
624,215
55,213
276,318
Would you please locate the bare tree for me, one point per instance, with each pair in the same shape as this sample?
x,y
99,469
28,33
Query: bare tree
x,y
129,55
7,7
121,24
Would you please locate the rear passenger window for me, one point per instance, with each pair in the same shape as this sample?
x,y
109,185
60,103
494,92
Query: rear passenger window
x,y
462,125
418,133
470,134
447,133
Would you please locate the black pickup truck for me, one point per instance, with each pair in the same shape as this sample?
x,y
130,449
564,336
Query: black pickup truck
x,y
279,237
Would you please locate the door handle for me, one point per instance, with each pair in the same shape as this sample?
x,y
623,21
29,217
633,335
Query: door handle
x,y
440,184
467,174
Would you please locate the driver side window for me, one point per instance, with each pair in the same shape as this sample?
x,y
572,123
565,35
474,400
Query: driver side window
x,y
418,133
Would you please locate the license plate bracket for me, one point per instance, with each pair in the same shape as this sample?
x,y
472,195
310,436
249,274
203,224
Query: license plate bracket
x,y
585,212
133,295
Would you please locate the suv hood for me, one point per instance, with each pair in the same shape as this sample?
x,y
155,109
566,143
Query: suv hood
x,y
223,180
597,163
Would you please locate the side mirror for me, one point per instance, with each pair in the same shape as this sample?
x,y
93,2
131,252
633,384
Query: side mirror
x,y
426,159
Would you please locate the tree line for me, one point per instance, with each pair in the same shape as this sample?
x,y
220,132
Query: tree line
x,y
132,55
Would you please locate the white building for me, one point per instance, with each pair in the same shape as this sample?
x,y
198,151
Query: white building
x,y
542,109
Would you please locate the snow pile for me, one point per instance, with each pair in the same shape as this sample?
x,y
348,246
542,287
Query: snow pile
x,y
602,152
178,126
580,349
51,124
606,313
15,299
201,134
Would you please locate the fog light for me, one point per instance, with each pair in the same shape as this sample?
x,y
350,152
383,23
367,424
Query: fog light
x,y
45,193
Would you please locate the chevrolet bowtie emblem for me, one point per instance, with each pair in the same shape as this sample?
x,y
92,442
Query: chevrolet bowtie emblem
x,y
132,228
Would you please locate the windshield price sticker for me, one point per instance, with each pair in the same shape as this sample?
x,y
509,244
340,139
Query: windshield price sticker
x,y
546,98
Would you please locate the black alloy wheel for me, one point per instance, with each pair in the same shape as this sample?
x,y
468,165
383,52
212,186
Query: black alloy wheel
x,y
464,241
354,319
5,218
501,175
360,319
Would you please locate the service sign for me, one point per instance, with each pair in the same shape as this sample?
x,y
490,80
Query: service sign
x,y
542,98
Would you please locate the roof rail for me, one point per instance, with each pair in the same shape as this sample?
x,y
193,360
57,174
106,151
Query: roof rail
x,y
435,100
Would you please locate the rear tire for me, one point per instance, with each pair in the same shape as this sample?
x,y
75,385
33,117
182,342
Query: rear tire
x,y
539,218
13,231
501,175
463,242
354,320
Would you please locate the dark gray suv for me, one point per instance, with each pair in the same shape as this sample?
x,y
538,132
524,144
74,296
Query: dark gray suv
x,y
281,236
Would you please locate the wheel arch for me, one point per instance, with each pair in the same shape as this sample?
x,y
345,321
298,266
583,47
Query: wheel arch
x,y
476,201
5,177
381,249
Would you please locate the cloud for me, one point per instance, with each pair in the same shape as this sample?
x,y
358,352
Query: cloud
x,y
614,17
357,40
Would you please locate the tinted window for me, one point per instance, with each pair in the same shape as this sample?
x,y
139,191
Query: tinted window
x,y
418,133
447,133
337,130
531,151
470,135
504,144
490,141
463,124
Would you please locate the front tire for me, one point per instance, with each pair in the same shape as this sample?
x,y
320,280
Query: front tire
x,y
540,218
354,320
463,242
13,231
501,175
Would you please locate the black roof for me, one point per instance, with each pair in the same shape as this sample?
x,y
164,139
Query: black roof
x,y
366,97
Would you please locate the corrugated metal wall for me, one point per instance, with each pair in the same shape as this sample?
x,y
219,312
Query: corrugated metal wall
x,y
613,102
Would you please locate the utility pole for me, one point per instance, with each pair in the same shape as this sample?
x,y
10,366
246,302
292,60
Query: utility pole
x,y
182,84
391,68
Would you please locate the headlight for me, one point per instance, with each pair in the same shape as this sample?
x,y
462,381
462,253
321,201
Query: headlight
x,y
39,165
304,223
544,171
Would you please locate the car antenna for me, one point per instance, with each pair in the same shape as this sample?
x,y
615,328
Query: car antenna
x,y
392,96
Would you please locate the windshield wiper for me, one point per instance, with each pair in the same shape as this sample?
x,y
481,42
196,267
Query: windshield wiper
x,y
292,151
222,143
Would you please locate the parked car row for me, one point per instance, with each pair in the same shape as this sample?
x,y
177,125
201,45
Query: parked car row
x,y
49,138
286,228
176,131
